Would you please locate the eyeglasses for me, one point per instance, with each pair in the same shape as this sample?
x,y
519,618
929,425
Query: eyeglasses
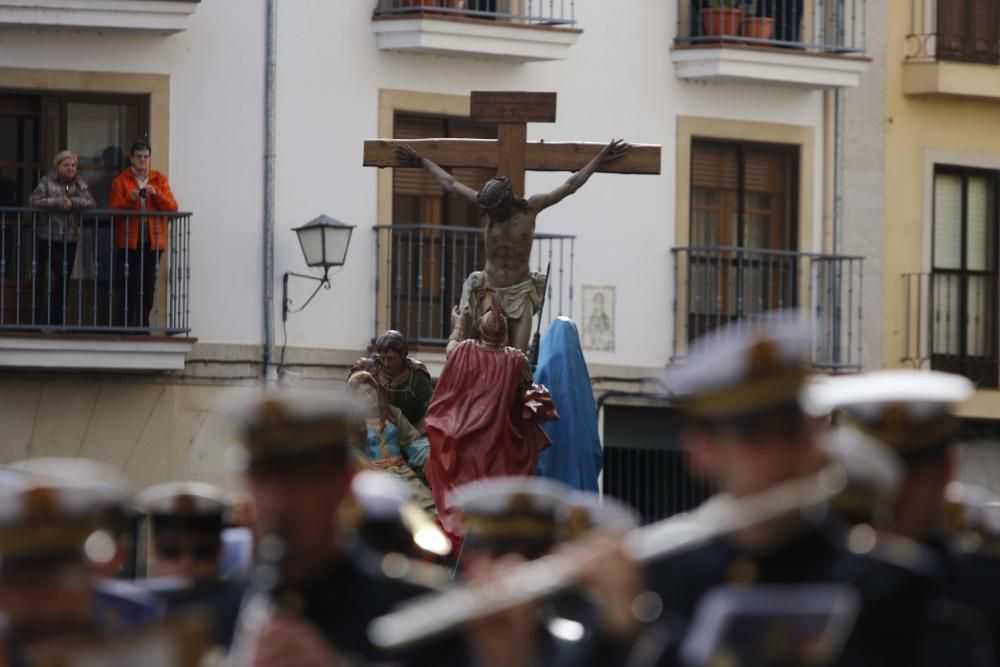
x,y
197,551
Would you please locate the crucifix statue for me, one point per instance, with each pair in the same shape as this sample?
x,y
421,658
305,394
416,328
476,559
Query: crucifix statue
x,y
509,217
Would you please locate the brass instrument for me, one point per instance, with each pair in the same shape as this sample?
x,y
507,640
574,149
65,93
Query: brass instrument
x,y
434,614
259,603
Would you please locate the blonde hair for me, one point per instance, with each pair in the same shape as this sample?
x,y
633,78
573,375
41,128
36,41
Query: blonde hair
x,y
62,156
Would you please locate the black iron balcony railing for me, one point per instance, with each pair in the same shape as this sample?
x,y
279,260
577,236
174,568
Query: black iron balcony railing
x,y
421,269
533,12
818,26
955,30
717,286
951,324
94,271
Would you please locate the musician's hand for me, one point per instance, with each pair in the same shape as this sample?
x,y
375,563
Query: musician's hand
x,y
291,642
408,156
508,638
615,580
614,150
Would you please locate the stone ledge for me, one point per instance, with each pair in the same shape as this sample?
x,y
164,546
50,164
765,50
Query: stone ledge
x,y
784,67
159,16
477,39
94,353
952,79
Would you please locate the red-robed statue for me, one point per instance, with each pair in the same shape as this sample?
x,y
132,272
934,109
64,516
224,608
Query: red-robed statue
x,y
483,419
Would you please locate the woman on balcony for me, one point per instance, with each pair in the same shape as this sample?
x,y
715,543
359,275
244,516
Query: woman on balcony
x,y
64,191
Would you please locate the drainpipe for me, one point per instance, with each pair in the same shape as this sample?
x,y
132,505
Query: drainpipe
x,y
829,171
833,196
270,60
838,171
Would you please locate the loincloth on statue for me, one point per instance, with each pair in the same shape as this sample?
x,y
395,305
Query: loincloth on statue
x,y
518,300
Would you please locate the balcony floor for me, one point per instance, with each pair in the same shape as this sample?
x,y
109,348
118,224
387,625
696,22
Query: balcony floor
x,y
458,36
761,64
63,351
952,79
162,16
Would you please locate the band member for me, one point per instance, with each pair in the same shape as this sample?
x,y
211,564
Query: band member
x,y
913,414
308,602
747,433
186,520
50,534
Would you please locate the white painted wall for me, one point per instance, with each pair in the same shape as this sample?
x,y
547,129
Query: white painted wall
x,y
618,82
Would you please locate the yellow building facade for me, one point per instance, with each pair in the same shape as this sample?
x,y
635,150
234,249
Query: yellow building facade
x,y
942,172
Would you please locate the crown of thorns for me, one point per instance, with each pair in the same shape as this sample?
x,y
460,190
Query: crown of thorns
x,y
494,192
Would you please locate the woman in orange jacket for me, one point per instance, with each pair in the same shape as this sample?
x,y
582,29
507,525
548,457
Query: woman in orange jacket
x,y
141,240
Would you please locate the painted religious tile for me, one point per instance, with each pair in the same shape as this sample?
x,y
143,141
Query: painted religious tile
x,y
599,318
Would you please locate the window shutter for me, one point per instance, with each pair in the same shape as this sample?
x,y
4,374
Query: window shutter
x,y
979,232
416,181
715,167
947,221
765,172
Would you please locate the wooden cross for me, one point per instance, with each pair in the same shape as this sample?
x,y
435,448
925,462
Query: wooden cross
x,y
511,154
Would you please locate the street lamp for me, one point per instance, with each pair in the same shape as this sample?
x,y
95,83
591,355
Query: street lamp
x,y
324,244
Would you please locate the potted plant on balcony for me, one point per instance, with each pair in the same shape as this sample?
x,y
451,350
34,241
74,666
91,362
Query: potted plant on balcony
x,y
757,27
451,4
721,18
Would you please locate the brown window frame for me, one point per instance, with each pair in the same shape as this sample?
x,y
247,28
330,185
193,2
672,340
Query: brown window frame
x,y
981,369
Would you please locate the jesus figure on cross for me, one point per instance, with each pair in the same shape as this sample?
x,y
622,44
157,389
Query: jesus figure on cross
x,y
508,235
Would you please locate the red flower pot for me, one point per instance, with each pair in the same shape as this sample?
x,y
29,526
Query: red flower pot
x,y
721,21
758,28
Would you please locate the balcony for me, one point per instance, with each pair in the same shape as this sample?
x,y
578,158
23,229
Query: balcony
x,y
422,268
951,324
953,49
152,16
512,30
717,286
810,44
86,305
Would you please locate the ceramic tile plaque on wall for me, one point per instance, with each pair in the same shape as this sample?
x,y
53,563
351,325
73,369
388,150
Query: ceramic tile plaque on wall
x,y
598,318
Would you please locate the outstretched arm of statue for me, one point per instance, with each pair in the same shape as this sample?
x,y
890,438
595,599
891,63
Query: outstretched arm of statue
x,y
612,151
406,154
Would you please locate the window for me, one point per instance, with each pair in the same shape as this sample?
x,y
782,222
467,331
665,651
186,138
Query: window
x,y
99,128
964,273
743,195
743,215
436,240
968,31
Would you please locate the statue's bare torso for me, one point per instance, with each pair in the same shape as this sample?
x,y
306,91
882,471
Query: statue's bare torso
x,y
508,248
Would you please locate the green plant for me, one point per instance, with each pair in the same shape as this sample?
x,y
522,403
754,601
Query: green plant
x,y
725,4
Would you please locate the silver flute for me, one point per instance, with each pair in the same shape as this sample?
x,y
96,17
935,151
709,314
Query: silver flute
x,y
436,613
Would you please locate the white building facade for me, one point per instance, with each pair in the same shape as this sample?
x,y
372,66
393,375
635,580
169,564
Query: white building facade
x,y
638,70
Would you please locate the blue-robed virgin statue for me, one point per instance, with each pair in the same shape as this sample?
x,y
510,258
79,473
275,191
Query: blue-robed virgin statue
x,y
575,456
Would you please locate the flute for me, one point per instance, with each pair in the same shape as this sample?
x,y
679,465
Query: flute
x,y
434,614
